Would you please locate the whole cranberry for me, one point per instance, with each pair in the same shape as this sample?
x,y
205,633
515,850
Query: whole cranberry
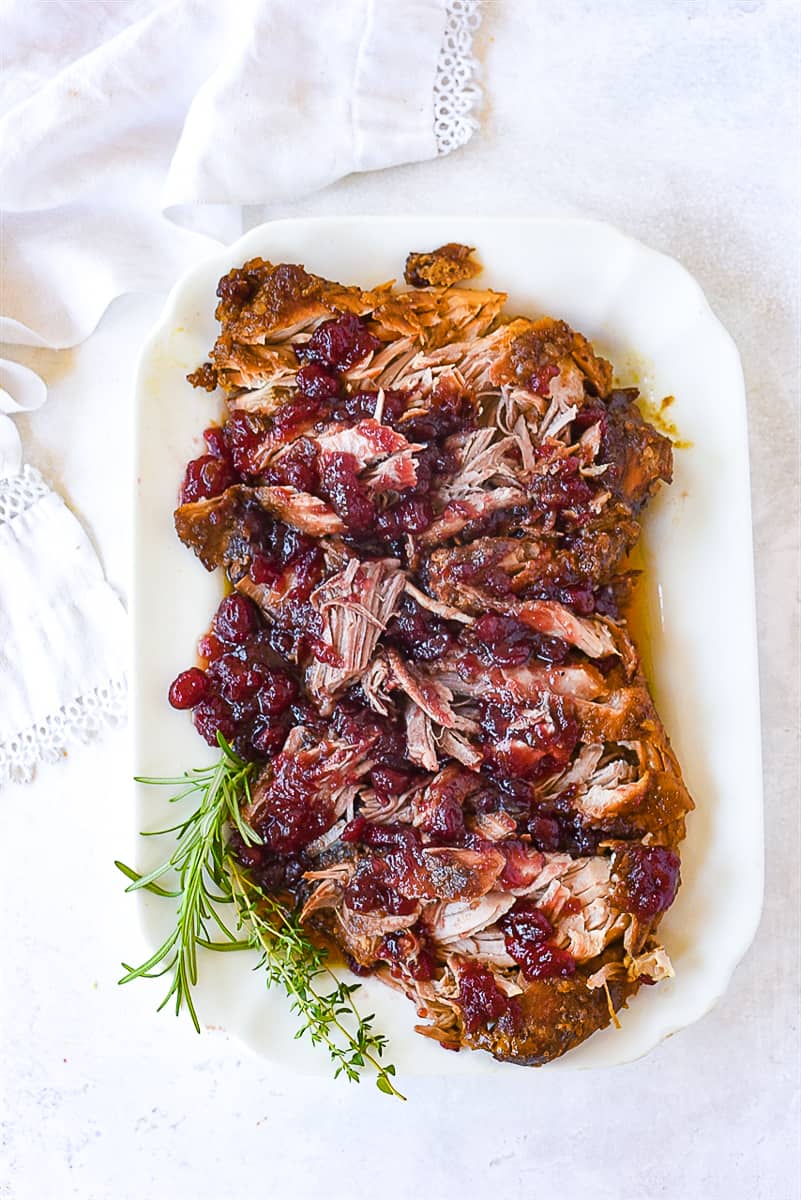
x,y
235,620
276,693
216,442
388,782
267,738
212,715
188,688
239,681
206,477
545,832
412,515
210,647
315,382
652,880
446,822
263,569
340,343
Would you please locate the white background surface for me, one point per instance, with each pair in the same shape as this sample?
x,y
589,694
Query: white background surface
x,y
677,121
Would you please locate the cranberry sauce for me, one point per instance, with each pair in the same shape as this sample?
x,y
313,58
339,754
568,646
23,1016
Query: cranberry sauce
x,y
651,879
207,477
394,873
562,488
527,935
481,1001
369,890
520,751
563,829
421,635
244,692
407,951
506,642
271,870
341,486
339,344
295,808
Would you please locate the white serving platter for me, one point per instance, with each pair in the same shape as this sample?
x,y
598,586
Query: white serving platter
x,y
650,317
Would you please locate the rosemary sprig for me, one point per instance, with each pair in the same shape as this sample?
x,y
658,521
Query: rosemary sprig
x,y
209,876
198,862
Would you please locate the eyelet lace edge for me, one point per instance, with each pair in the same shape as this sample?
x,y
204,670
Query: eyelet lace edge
x,y
456,90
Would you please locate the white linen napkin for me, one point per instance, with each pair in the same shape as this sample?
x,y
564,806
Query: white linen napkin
x,y
125,146
62,630
132,132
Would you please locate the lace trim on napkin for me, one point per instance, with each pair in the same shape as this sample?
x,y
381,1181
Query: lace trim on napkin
x,y
81,720
20,492
455,91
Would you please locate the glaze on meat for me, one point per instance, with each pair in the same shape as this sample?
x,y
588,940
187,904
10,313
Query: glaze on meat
x,y
424,510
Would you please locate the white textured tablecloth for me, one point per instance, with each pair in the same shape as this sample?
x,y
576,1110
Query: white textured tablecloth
x,y
677,121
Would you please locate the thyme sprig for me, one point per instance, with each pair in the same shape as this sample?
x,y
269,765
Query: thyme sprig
x,y
329,1017
208,877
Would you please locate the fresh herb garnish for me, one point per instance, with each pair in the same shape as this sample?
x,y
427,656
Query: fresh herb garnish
x,y
208,877
300,967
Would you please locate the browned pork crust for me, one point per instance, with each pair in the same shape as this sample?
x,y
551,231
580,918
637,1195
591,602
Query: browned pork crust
x,y
447,264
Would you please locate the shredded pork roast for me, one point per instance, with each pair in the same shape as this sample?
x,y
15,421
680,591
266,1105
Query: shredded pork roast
x,y
424,509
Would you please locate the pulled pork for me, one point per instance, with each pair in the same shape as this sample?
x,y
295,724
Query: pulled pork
x,y
424,509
